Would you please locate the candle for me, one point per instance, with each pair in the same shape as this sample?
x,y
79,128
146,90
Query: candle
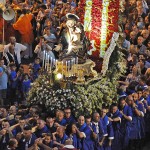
x,y
51,65
46,61
77,67
66,68
56,64
77,60
74,62
72,67
69,66
43,57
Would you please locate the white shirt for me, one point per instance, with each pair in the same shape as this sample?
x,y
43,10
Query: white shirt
x,y
40,53
18,48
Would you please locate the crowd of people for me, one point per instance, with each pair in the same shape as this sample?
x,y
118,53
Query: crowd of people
x,y
120,126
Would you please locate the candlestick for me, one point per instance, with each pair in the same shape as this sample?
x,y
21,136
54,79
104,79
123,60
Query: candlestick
x,y
72,67
54,61
48,62
77,60
43,58
66,68
51,65
56,64
45,61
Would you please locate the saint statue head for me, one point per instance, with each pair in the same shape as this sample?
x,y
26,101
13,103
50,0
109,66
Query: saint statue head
x,y
71,20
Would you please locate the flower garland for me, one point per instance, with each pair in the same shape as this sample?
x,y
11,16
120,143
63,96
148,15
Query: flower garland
x,y
87,16
109,52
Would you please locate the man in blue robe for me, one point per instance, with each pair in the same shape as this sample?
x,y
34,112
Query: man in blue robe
x,y
84,132
146,101
68,117
126,112
60,137
108,129
27,140
115,117
41,128
135,131
60,120
97,128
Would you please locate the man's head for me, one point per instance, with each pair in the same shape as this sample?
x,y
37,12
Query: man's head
x,y
129,100
47,138
145,93
122,102
13,144
32,110
67,112
113,108
141,57
103,111
37,60
135,29
47,31
12,66
13,109
27,132
3,112
88,120
12,40
40,124
140,40
96,117
36,116
132,35
22,122
140,10
5,124
81,120
135,96
60,115
1,62
145,34
49,121
60,131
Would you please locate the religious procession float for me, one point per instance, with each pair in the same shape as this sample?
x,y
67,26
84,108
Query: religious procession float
x,y
91,60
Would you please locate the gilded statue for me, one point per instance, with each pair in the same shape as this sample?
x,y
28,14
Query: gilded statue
x,y
73,43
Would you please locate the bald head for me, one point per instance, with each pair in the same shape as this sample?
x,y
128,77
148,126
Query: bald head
x,y
96,116
13,109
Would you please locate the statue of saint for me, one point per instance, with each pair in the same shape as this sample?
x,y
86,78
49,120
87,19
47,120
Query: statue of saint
x,y
73,42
